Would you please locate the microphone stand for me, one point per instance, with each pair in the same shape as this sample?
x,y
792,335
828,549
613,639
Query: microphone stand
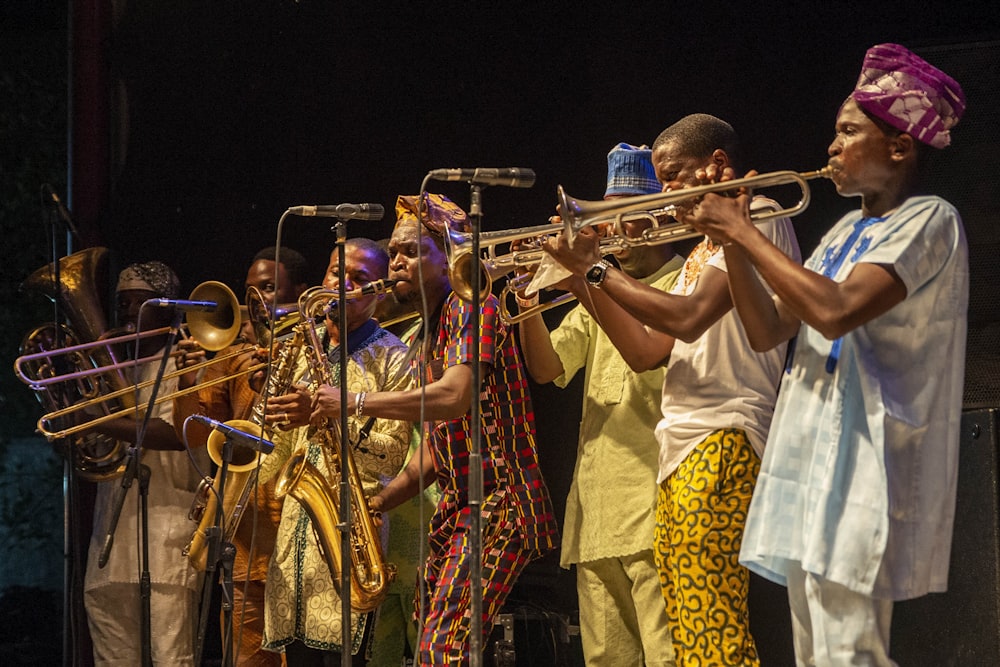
x,y
132,472
71,563
340,228
475,454
220,554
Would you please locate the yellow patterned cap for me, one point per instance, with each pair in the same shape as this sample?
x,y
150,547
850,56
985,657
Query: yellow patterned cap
x,y
439,213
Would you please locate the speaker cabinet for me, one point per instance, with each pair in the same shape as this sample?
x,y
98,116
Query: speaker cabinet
x,y
961,628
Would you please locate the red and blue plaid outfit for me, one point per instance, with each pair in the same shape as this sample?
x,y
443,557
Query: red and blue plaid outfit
x,y
517,517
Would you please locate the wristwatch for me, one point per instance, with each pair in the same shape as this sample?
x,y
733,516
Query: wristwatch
x,y
596,274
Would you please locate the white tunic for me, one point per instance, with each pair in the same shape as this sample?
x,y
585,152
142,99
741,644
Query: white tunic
x,y
858,479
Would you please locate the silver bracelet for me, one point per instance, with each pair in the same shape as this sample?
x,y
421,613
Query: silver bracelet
x,y
359,405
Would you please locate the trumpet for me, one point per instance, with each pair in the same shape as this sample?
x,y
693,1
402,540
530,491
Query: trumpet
x,y
577,214
658,209
519,282
214,330
492,266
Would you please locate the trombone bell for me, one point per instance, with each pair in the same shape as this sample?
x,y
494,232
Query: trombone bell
x,y
215,329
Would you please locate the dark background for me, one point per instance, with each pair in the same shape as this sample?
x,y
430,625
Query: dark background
x,y
221,115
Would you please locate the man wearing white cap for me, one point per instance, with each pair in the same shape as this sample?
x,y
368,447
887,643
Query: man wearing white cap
x,y
112,594
608,527
855,501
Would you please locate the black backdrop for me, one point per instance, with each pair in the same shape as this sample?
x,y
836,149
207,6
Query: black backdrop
x,y
227,113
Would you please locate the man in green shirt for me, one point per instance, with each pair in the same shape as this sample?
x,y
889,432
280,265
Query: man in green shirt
x,y
608,527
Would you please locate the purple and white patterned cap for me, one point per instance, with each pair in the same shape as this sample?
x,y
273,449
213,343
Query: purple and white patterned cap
x,y
909,93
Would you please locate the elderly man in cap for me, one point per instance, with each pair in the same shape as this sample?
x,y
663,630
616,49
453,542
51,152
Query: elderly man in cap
x,y
608,529
855,501
518,523
112,593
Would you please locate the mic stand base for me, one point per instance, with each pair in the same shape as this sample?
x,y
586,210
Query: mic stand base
x,y
221,554
145,587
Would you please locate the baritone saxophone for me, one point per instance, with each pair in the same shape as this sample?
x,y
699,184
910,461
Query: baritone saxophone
x,y
370,575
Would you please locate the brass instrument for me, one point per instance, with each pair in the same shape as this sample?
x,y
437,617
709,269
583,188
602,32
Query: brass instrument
x,y
213,330
517,284
244,467
461,263
370,575
577,214
492,266
95,457
657,208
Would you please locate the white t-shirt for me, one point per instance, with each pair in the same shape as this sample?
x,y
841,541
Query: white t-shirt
x,y
718,381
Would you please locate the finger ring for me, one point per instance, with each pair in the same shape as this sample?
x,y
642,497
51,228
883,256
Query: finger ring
x,y
284,417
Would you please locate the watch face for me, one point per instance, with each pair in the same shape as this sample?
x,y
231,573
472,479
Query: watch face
x,y
595,274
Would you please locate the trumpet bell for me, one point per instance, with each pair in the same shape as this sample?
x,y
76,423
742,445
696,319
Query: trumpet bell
x,y
218,328
460,275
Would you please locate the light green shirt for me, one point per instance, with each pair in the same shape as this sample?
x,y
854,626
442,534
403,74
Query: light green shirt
x,y
611,503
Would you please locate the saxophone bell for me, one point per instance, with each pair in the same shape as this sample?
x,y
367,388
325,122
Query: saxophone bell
x,y
370,575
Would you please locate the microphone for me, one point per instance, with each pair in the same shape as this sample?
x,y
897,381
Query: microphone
x,y
50,197
183,304
239,437
511,177
341,211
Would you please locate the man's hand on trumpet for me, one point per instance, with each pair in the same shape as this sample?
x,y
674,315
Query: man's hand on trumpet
x,y
721,217
586,250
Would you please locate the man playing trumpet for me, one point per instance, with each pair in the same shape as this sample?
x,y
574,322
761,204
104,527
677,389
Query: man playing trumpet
x,y
717,399
855,503
608,529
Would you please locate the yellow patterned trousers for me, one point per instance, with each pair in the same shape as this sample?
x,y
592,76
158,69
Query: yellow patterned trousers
x,y
700,514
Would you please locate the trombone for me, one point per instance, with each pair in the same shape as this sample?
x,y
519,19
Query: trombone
x,y
214,331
